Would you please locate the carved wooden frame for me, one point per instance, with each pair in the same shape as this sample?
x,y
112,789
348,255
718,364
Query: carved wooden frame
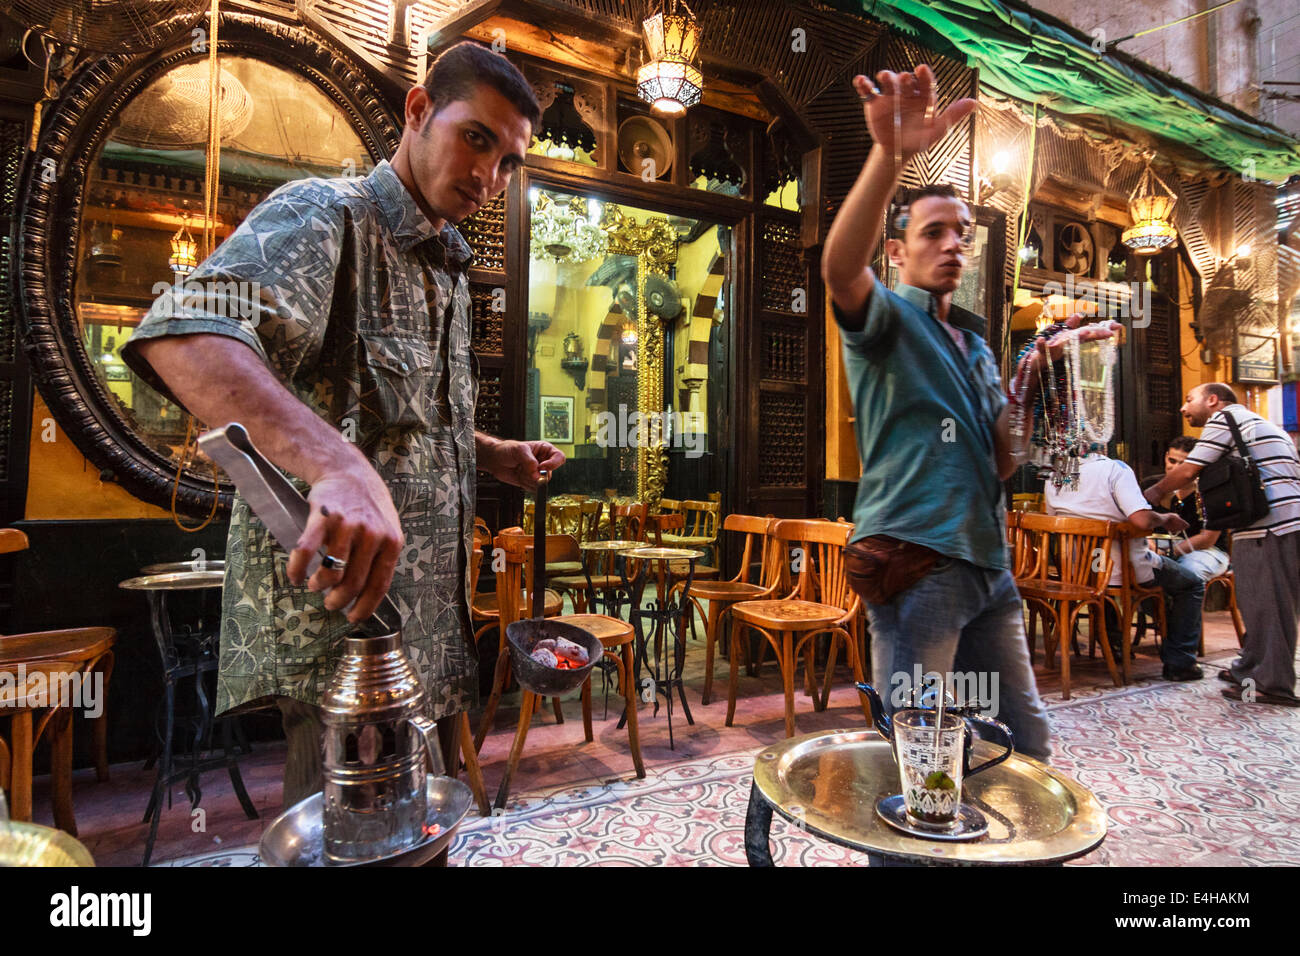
x,y
48,219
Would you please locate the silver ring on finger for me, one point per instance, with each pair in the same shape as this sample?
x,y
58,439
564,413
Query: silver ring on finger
x,y
331,563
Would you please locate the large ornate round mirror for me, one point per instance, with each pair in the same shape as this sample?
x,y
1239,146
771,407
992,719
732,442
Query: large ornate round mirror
x,y
113,214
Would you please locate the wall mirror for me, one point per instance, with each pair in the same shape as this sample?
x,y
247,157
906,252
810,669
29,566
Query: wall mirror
x,y
121,217
623,303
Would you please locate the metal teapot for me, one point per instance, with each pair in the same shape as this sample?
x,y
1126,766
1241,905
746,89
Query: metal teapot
x,y
376,738
968,713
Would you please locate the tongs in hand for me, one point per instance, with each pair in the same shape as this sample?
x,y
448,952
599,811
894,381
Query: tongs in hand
x,y
280,506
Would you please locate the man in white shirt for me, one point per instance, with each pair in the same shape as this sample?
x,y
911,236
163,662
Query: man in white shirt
x,y
1107,490
1266,554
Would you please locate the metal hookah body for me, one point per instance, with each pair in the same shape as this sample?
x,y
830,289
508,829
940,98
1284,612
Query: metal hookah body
x,y
375,743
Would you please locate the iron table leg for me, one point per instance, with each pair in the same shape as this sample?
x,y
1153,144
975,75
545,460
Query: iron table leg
x,y
758,828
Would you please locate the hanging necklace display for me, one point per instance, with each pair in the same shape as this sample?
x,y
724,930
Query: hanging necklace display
x,y
1075,407
1090,366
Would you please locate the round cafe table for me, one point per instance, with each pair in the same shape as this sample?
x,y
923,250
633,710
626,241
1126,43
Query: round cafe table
x,y
186,653
664,617
607,599
828,784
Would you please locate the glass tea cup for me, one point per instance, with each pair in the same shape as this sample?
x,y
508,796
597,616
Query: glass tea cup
x,y
931,774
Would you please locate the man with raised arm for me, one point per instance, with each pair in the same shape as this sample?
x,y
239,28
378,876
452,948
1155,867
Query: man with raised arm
x,y
354,375
934,429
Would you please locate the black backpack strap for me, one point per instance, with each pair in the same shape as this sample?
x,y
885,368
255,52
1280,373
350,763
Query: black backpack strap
x,y
1242,450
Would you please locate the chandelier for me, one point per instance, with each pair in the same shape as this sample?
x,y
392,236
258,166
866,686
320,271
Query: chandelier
x,y
1152,229
565,230
671,81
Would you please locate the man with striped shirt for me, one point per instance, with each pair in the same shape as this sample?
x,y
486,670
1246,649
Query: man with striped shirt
x,y
1266,554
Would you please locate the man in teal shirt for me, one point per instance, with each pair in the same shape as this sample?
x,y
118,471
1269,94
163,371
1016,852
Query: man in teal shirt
x,y
933,425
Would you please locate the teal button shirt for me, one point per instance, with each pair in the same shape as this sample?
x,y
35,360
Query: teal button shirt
x,y
925,419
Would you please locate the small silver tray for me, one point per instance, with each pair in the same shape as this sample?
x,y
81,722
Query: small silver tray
x,y
830,782
969,825
296,837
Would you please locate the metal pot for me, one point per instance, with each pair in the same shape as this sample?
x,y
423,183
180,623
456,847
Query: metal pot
x,y
376,741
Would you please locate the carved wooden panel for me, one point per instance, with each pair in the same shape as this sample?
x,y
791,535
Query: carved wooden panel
x,y
487,414
485,231
782,433
782,268
488,325
783,352
15,379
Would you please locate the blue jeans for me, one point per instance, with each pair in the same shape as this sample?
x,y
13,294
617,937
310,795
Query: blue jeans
x,y
1184,593
967,621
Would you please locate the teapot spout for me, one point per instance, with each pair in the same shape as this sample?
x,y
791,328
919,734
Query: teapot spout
x,y
878,715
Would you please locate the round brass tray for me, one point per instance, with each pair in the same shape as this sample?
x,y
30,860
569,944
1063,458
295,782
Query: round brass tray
x,y
175,581
663,554
829,783
30,844
297,836
609,545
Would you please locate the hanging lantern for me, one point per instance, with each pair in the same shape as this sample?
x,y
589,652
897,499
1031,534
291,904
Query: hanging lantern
x,y
185,251
1152,228
628,332
670,81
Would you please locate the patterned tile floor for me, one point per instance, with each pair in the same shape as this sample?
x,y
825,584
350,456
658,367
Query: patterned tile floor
x,y
1186,776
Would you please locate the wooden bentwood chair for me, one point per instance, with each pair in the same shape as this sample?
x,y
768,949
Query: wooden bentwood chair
x,y
510,604
722,595
820,603
1062,567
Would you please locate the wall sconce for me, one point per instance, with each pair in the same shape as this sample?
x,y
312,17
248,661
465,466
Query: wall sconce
x,y
670,81
573,362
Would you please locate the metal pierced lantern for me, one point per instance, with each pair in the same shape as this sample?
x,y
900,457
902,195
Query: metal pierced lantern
x,y
1152,228
670,81
185,251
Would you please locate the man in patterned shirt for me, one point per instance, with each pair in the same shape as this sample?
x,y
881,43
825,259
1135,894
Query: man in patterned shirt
x,y
354,375
1266,554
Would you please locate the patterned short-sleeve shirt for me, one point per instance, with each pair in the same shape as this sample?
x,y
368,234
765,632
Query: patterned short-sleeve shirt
x,y
361,307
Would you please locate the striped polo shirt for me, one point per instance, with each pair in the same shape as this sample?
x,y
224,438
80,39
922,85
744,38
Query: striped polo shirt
x,y
1275,456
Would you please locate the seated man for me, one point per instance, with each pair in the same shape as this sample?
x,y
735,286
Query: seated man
x,y
1107,490
1199,553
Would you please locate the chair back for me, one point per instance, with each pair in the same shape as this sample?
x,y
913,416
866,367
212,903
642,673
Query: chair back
x,y
514,576
668,504
589,520
627,522
702,519
1080,547
482,539
815,551
669,521
1124,533
758,538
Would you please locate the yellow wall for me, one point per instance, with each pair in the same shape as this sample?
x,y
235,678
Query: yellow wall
x,y
842,462
61,484
1195,372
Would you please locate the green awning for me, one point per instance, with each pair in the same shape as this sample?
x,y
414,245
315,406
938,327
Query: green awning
x,y
1033,57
